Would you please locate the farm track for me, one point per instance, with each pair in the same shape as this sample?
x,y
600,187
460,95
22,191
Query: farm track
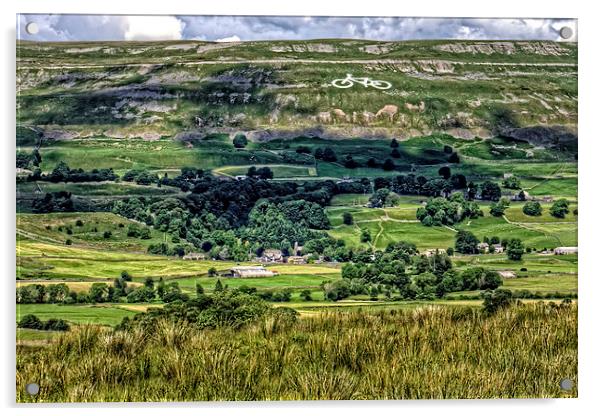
x,y
533,229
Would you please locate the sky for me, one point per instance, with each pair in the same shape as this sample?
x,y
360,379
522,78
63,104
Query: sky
x,y
247,28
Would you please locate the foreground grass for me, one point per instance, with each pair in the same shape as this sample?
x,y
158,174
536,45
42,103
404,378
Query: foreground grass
x,y
426,353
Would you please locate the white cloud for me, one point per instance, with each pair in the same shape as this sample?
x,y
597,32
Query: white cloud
x,y
232,38
221,28
154,28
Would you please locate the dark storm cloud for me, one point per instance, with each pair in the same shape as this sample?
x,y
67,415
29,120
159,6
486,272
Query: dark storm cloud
x,y
212,28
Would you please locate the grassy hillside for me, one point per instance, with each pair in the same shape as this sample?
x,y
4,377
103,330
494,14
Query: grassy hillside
x,y
523,352
269,89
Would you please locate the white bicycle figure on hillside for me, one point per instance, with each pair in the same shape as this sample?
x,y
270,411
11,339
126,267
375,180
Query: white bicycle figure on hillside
x,y
349,81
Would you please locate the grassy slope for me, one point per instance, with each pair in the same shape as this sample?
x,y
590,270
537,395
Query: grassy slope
x,y
522,352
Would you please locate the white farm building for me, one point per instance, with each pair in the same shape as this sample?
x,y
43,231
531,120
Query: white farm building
x,y
251,271
565,250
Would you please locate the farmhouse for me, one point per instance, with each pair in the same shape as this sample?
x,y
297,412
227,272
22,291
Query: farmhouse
x,y
251,271
432,251
559,251
507,274
271,256
498,248
483,247
297,260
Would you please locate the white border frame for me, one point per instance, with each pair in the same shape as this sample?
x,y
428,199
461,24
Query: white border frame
x,y
590,287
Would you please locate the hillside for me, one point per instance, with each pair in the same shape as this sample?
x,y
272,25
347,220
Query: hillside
x,y
185,90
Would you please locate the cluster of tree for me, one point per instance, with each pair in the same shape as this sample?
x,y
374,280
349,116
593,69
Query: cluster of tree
x,y
383,197
420,185
468,243
141,177
138,231
261,173
53,202
511,182
497,209
490,191
118,291
62,173
215,216
326,154
230,308
399,269
442,211
280,225
559,208
31,321
29,160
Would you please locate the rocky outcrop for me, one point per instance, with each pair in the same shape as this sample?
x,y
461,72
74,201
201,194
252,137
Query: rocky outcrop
x,y
547,136
415,107
506,48
388,111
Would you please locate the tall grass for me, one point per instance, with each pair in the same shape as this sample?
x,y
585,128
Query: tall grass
x,y
431,352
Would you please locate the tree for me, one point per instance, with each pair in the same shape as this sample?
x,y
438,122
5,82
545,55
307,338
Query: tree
x,y
395,154
559,208
329,155
337,290
496,299
466,242
347,218
447,149
515,249
458,181
489,280
445,172
365,236
98,293
498,209
161,288
199,289
511,182
240,141
490,191
349,162
379,198
532,208
371,163
303,149
30,321
394,144
373,293
450,251
149,283
141,294
126,276
388,165
471,191
306,295
212,272
454,158
219,287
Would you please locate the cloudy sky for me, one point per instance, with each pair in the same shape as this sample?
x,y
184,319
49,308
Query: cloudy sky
x,y
235,28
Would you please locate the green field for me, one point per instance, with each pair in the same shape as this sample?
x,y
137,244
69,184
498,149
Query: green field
x,y
280,171
102,314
